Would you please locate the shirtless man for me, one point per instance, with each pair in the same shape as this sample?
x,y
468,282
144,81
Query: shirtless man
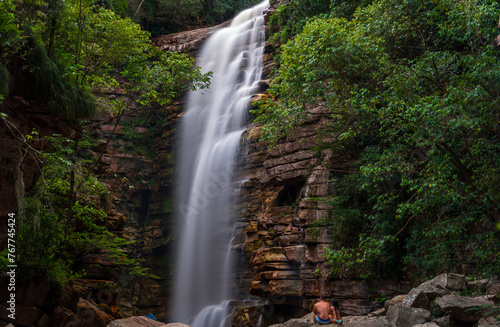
x,y
322,312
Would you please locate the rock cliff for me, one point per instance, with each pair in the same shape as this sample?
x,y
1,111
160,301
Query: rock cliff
x,y
282,236
283,199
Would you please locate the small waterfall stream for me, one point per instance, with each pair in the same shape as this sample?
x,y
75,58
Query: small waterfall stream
x,y
210,135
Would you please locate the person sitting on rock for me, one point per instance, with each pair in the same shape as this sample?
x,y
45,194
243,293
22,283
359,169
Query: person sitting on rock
x,y
335,314
322,312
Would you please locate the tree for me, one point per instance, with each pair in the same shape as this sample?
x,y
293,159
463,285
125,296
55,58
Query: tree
x,y
412,88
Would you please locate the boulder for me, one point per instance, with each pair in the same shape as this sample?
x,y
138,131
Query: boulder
x,y
92,315
416,299
141,322
401,316
350,321
432,290
427,324
459,307
395,300
452,282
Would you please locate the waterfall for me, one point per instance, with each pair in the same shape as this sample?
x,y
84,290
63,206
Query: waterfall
x,y
210,134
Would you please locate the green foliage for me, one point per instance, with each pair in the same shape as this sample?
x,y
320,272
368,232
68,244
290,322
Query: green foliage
x,y
413,92
157,76
62,98
93,41
48,236
9,32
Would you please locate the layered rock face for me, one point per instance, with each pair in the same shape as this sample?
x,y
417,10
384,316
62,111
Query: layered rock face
x,y
188,41
282,220
283,236
140,188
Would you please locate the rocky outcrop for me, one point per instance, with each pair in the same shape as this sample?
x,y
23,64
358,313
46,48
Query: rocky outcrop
x,y
187,41
451,309
42,302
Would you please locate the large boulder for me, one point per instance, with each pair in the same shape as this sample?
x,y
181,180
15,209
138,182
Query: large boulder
x,y
141,322
416,299
463,308
452,282
401,316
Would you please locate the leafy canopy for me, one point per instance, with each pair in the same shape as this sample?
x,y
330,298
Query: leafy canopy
x,y
412,88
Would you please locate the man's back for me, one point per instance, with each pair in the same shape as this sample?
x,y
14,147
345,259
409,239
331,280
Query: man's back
x,y
322,309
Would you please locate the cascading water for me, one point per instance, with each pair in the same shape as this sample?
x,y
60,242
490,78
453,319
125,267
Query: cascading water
x,y
210,134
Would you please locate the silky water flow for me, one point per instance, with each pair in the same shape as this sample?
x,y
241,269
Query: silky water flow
x,y
210,135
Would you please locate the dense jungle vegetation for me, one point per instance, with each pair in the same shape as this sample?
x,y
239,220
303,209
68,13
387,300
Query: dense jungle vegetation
x,y
167,16
413,88
69,53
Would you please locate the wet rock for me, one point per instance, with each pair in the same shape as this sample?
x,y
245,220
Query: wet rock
x,y
274,254
286,287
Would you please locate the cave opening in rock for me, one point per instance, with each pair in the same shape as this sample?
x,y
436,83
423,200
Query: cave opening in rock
x,y
290,193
